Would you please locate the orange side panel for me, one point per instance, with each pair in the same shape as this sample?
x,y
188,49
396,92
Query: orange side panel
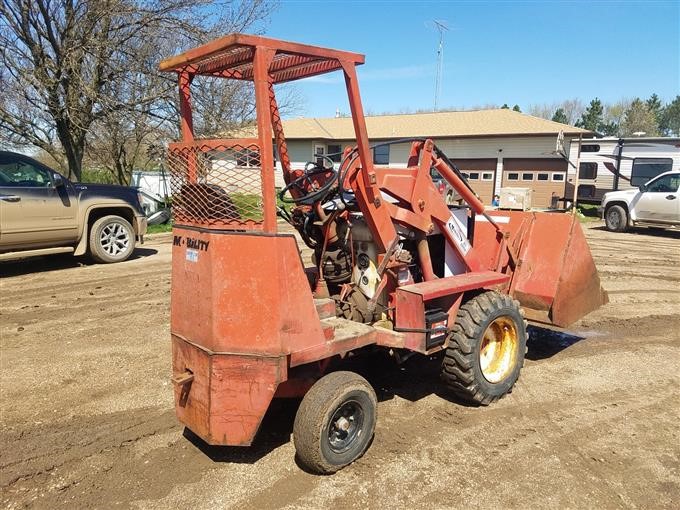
x,y
192,403
229,394
241,293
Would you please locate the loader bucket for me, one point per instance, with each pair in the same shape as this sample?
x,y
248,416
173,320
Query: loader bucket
x,y
555,278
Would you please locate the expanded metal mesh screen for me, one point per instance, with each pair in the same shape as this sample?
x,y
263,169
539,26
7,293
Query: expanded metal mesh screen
x,y
217,185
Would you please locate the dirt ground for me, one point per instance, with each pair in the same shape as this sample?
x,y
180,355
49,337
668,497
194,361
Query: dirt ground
x,y
88,420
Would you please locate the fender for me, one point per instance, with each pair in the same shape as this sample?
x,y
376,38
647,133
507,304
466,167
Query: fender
x,y
81,247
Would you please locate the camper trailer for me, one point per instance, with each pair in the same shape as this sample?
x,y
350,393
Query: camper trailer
x,y
612,164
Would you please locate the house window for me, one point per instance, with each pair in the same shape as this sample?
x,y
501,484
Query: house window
x,y
465,174
645,169
542,177
247,158
335,153
527,177
513,176
590,148
319,152
487,176
587,171
557,177
381,155
474,176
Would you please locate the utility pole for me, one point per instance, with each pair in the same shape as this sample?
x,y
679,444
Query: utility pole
x,y
441,27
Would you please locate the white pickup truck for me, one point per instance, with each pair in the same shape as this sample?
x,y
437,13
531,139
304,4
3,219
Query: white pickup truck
x,y
655,203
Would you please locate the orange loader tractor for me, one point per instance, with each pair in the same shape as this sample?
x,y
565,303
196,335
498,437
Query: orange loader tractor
x,y
395,268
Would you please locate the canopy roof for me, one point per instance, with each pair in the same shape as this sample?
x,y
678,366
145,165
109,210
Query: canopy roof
x,y
233,56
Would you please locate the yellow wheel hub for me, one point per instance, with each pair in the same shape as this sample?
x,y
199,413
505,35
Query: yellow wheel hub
x,y
498,351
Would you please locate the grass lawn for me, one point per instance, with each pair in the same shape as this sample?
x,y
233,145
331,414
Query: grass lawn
x,y
588,213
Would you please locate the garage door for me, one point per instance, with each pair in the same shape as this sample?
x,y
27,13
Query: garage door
x,y
480,174
545,177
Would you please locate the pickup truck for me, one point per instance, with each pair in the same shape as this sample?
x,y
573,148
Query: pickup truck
x,y
42,212
655,203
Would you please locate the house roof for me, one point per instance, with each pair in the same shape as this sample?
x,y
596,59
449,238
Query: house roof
x,y
455,124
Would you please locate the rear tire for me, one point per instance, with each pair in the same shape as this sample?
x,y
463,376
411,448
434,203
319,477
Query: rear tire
x,y
486,348
616,219
335,422
112,239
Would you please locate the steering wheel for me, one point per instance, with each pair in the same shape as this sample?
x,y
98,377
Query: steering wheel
x,y
309,187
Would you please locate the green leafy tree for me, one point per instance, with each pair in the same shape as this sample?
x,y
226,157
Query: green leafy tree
x,y
592,118
639,119
670,118
560,116
516,108
505,106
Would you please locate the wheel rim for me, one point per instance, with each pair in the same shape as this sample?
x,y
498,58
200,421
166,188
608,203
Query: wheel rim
x,y
498,350
114,239
346,426
614,219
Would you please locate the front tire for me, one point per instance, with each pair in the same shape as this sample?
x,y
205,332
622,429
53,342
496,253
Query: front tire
x,y
486,348
616,219
112,239
335,422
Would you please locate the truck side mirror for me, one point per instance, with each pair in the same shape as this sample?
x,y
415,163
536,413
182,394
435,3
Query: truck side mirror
x,y
58,180
642,188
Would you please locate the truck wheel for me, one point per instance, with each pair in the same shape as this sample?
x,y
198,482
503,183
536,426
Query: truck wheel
x,y
112,239
335,422
486,348
616,219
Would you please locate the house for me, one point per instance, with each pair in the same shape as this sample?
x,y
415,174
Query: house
x,y
494,148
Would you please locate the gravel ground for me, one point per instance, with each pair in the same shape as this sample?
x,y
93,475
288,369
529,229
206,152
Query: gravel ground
x,y
88,420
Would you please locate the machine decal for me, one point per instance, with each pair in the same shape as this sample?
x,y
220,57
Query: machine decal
x,y
192,255
458,232
194,244
197,244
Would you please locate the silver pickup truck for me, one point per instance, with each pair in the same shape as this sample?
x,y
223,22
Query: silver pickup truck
x,y
656,203
42,212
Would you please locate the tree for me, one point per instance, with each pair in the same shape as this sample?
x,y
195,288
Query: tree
x,y
654,105
69,67
592,118
505,106
120,143
560,116
639,119
670,118
572,108
516,108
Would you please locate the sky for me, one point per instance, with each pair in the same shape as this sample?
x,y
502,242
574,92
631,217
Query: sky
x,y
494,52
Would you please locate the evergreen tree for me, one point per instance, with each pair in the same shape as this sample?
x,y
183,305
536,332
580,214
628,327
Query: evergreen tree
x,y
654,105
592,118
505,106
670,118
516,108
609,129
560,116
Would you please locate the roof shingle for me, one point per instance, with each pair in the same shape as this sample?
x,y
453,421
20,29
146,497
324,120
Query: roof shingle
x,y
474,123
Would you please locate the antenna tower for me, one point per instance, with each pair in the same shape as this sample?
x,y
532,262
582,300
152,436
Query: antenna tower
x,y
442,27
